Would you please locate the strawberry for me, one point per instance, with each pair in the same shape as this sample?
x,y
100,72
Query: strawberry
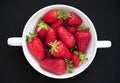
x,y
74,19
67,37
35,46
58,49
54,65
72,29
56,24
52,16
83,37
50,36
75,59
41,29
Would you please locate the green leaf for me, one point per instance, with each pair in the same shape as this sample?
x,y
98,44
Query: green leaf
x,y
30,36
42,25
70,70
60,13
81,56
83,28
69,65
66,15
53,46
73,49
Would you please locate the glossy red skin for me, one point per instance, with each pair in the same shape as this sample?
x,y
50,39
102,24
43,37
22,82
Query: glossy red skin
x,y
72,29
62,51
51,16
36,48
67,37
50,36
41,34
83,39
75,60
57,23
54,65
74,19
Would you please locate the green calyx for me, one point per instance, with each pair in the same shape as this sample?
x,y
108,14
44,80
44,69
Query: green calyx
x,y
42,25
53,46
62,15
69,65
30,37
83,28
67,15
73,48
81,56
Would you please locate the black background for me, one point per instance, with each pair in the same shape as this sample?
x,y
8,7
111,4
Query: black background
x,y
14,68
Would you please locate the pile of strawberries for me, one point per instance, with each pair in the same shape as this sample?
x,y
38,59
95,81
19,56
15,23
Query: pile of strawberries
x,y
59,42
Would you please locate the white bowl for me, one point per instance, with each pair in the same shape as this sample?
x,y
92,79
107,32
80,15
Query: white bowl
x,y
30,26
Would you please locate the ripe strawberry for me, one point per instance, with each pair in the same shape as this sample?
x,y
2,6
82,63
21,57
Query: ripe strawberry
x,y
54,65
35,46
67,37
58,49
56,24
50,36
52,16
41,29
74,19
72,29
83,37
75,59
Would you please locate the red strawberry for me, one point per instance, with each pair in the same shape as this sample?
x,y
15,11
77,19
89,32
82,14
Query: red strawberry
x,y
41,29
35,46
74,19
83,37
72,29
58,49
75,59
57,24
54,65
67,37
52,16
50,36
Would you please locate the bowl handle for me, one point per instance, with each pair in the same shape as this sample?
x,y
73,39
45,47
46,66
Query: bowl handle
x,y
15,41
104,44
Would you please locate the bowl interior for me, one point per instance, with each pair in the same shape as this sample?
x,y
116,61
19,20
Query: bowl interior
x,y
30,26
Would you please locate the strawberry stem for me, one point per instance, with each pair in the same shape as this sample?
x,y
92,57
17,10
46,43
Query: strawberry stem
x,y
53,46
29,38
42,25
